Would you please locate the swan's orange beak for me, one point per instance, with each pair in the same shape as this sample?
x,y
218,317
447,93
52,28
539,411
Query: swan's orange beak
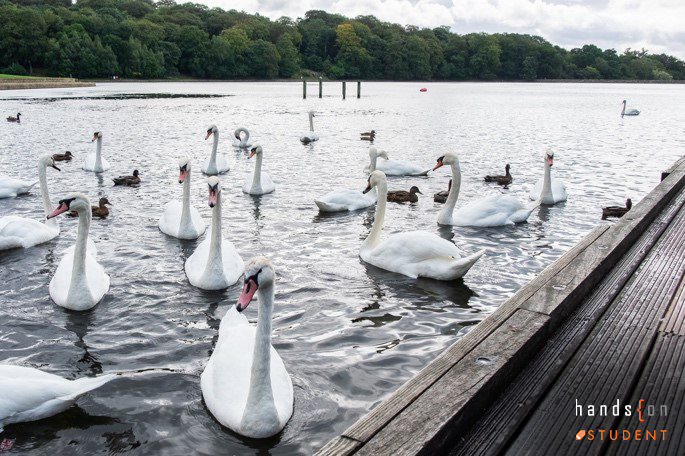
x,y
95,136
182,176
249,289
61,208
252,154
367,189
437,165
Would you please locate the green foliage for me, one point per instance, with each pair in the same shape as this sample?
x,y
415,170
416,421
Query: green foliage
x,y
15,69
148,39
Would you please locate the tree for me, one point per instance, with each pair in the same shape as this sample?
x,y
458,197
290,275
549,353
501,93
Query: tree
x,y
264,59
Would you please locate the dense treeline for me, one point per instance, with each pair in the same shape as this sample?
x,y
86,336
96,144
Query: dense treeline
x,y
143,39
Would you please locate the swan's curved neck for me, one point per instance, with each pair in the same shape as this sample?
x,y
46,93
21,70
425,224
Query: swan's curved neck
x,y
186,220
214,259
47,207
260,399
79,284
257,177
546,195
215,145
243,141
623,111
372,168
311,122
445,216
375,235
98,154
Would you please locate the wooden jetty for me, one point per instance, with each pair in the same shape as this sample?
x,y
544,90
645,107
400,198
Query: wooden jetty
x,y
603,325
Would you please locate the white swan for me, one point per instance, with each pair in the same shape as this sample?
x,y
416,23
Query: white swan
x,y
24,232
259,182
240,140
414,253
180,219
493,210
80,281
28,394
351,200
548,189
629,112
11,187
215,164
94,160
399,168
310,135
215,264
245,384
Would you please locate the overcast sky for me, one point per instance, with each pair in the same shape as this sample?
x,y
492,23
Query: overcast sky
x,y
657,25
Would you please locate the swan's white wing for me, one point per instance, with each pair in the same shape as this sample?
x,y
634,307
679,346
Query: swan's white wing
x,y
398,168
199,276
493,210
344,200
170,221
536,191
97,279
267,185
11,187
559,190
16,232
89,163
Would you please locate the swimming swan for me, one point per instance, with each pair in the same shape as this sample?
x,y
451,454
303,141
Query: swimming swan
x,y
215,164
400,168
414,253
180,219
310,136
259,182
240,141
94,160
629,112
548,189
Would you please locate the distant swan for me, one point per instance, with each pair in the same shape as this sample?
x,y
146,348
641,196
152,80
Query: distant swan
x,y
94,160
240,140
28,394
215,264
414,253
629,112
259,182
14,119
16,232
245,384
215,164
310,136
548,189
350,200
399,168
80,282
11,187
180,219
493,210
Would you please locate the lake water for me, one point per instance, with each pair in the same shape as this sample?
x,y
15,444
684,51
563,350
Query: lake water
x,y
349,334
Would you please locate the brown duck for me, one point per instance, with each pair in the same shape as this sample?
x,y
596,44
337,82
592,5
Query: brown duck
x,y
100,211
501,180
616,211
400,196
66,156
441,197
129,181
14,119
368,135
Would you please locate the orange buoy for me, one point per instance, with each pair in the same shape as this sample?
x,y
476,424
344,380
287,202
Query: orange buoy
x,y
423,89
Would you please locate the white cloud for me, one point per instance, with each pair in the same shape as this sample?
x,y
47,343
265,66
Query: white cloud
x,y
652,24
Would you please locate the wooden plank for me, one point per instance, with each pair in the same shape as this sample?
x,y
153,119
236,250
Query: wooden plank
x,y
673,167
499,425
674,322
339,445
450,405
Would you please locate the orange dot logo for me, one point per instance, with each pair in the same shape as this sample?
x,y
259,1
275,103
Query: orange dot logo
x,y
580,435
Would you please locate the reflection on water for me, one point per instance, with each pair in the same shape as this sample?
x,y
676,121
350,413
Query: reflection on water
x,y
349,333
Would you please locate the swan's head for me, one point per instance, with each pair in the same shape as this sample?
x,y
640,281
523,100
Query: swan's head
x,y
549,158
48,161
375,178
74,202
256,150
414,189
183,169
448,159
97,135
210,130
259,272
373,152
623,102
214,190
312,114
104,201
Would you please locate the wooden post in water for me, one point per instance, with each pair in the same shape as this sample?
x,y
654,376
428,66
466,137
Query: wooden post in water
x,y
304,89
359,89
344,89
320,87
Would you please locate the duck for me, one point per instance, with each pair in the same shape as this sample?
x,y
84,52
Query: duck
x,y
310,136
215,164
128,181
259,182
29,394
66,156
413,253
95,161
629,112
22,232
368,133
550,190
215,264
368,136
441,197
180,219
11,187
350,200
399,168
492,210
242,141
400,196
501,180
71,287
14,119
100,211
245,384
616,211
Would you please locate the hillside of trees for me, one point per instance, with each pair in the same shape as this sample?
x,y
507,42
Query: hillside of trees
x,y
144,39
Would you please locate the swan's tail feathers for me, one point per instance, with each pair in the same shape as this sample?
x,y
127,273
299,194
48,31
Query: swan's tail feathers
x,y
83,385
522,215
31,186
462,265
425,173
329,207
